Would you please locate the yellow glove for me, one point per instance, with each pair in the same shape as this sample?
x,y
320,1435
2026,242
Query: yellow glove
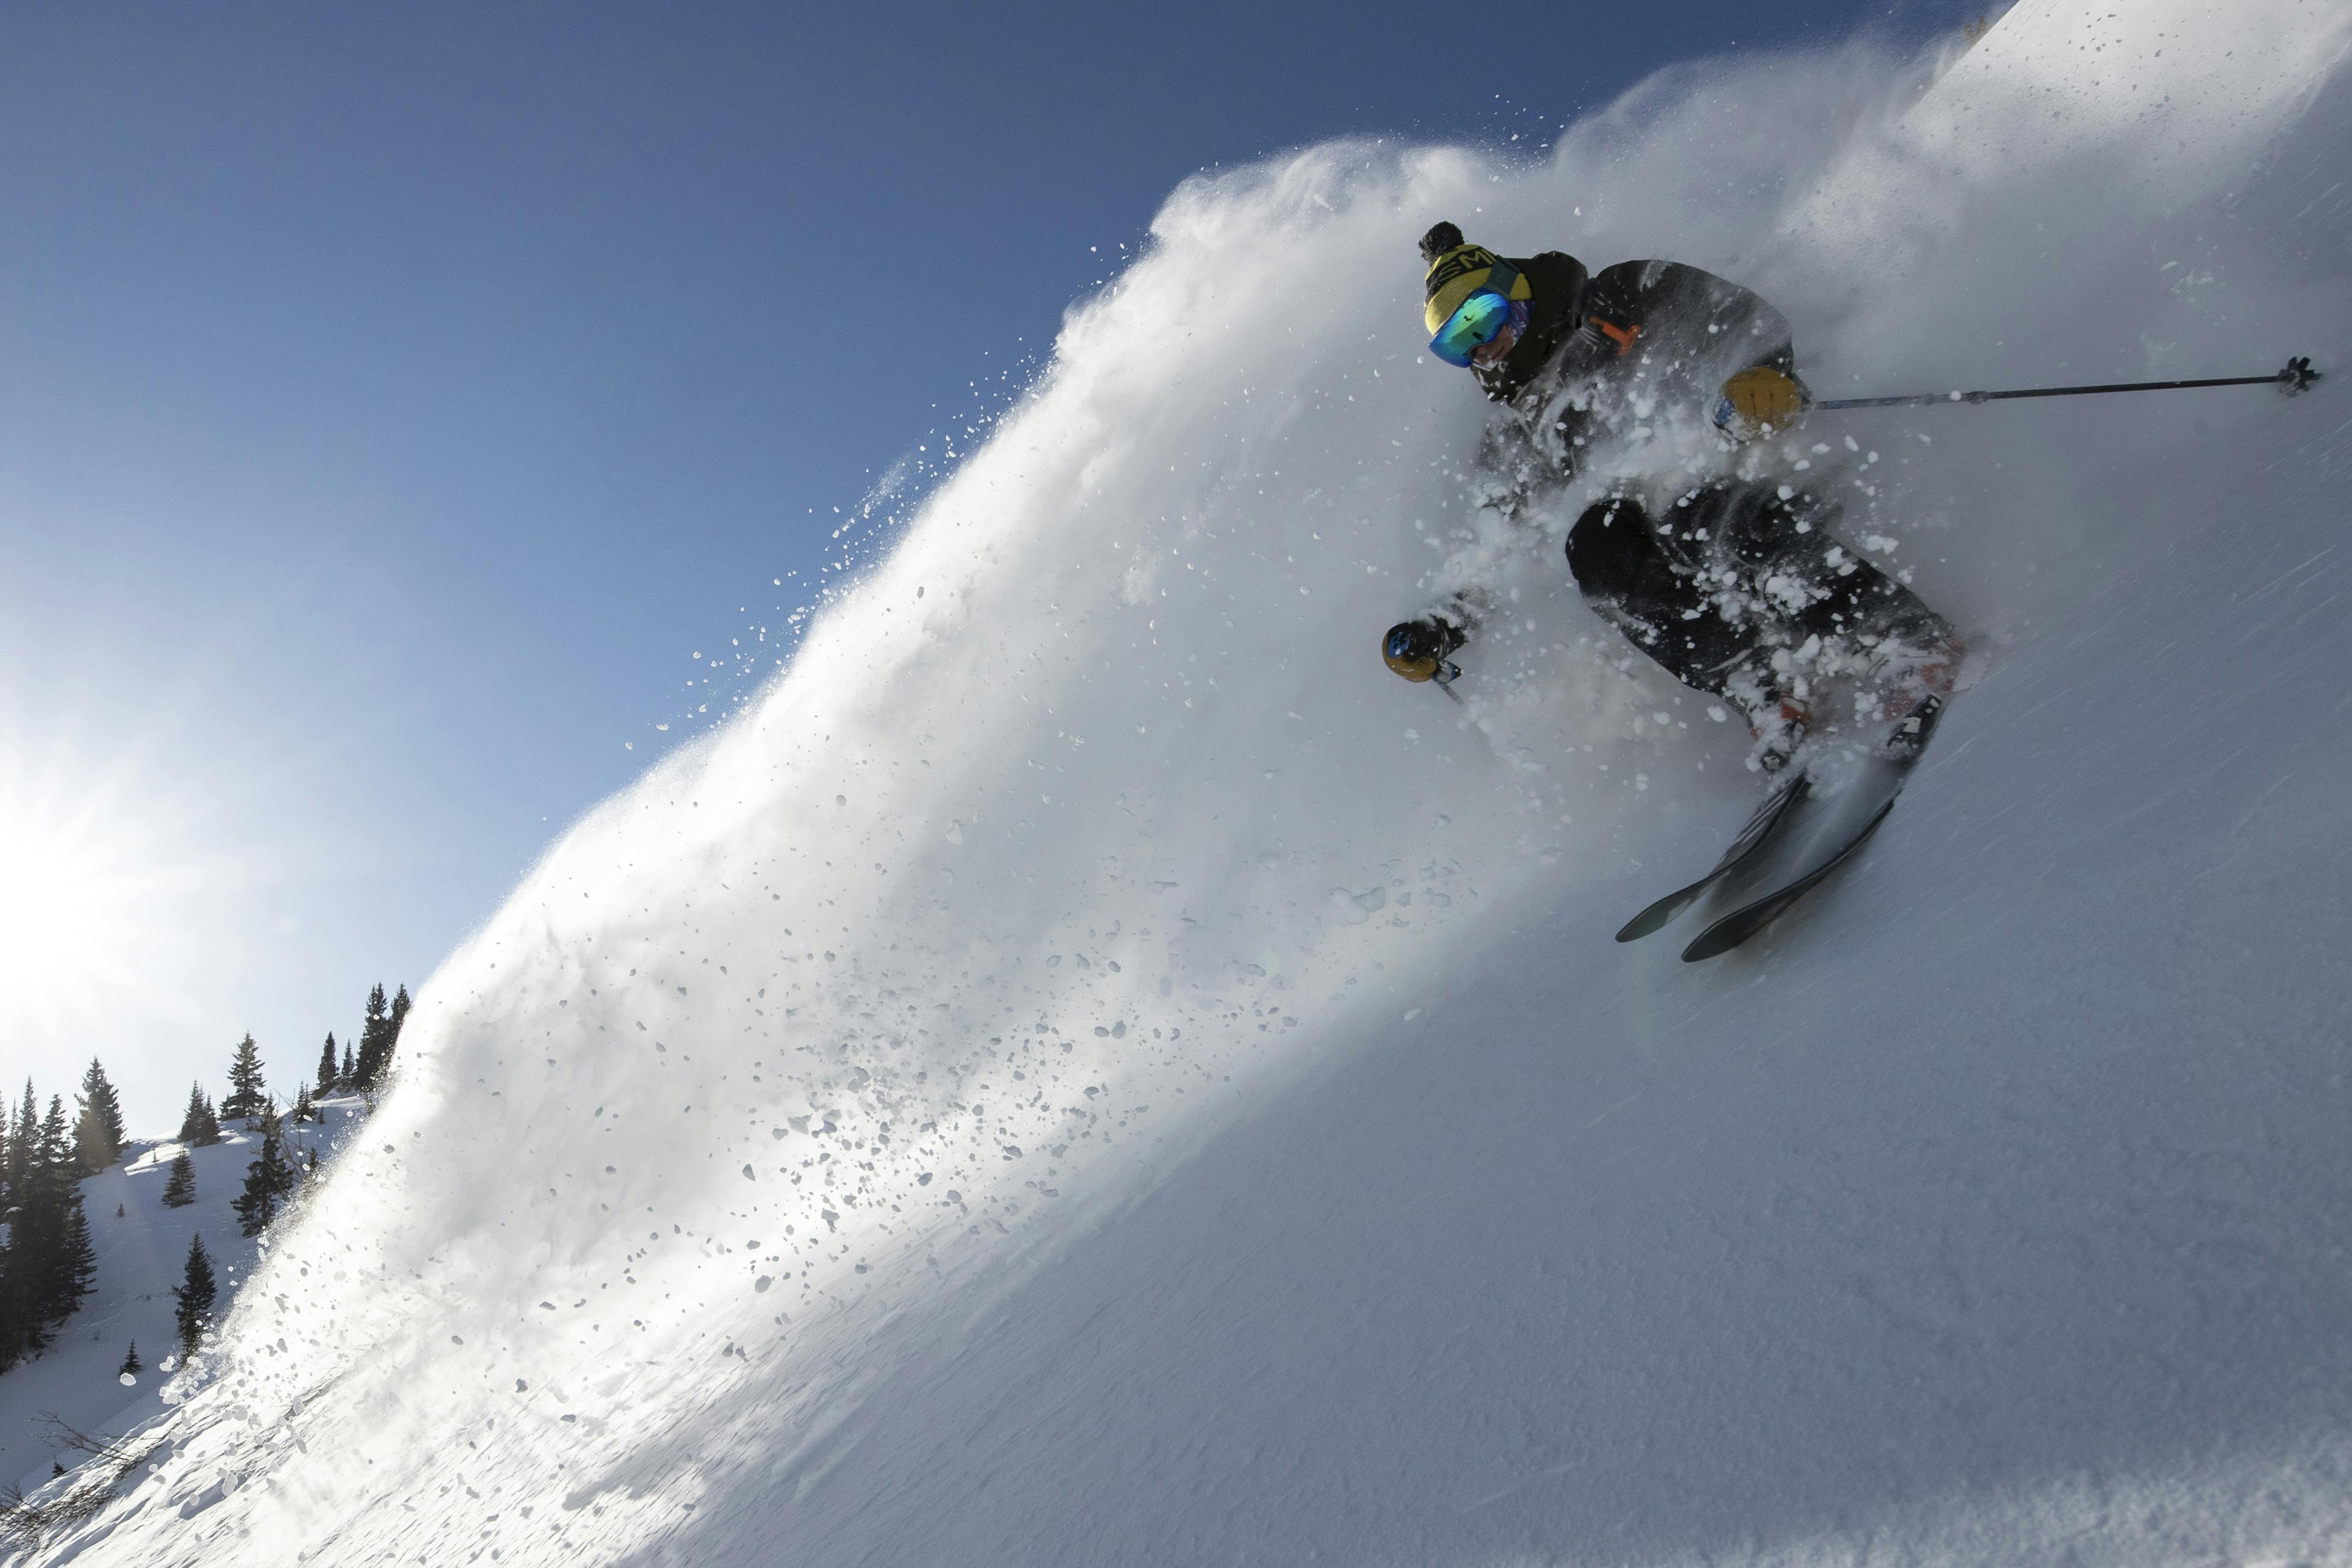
x,y
1759,403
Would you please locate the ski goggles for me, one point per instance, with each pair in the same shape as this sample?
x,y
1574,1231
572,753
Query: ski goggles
x,y
1471,327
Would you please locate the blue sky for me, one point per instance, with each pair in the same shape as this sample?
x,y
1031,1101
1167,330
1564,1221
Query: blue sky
x,y
394,399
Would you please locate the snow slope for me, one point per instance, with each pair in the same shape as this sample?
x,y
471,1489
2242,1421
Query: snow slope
x,y
142,1254
1091,1069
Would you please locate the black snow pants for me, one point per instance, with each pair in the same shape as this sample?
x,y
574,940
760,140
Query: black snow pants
x,y
1740,592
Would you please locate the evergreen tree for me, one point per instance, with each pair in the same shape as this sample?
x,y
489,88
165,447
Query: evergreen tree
x,y
327,1066
26,1265
375,1041
48,1263
45,1254
351,1072
400,1006
19,1332
98,1133
132,1365
37,1228
76,1269
180,1186
69,1263
244,1083
199,1126
194,1294
267,1180
24,1143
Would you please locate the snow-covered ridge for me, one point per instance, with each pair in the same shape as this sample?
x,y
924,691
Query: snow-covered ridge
x,y
798,1157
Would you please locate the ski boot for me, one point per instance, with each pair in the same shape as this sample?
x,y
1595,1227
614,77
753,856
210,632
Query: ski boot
x,y
1912,732
1917,703
1777,728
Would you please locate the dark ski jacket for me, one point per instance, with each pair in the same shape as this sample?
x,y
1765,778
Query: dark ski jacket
x,y
1590,339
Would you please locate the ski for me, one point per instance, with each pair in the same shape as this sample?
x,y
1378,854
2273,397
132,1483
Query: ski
x,y
1751,841
1828,808
1743,923
1845,799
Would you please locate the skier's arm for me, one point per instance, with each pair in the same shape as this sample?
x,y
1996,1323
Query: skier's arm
x,y
1638,305
1701,312
1615,309
1620,304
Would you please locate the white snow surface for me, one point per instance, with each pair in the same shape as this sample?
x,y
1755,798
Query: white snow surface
x,y
1091,1069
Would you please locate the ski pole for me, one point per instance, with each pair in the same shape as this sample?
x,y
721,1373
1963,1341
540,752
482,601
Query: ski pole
x,y
2297,376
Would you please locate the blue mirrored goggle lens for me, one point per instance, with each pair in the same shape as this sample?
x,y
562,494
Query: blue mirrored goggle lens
x,y
1400,643
1475,324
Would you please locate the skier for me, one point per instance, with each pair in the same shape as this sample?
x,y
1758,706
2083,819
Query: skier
x,y
1737,587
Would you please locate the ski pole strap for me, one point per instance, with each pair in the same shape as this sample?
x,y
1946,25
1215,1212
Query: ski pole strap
x,y
2296,377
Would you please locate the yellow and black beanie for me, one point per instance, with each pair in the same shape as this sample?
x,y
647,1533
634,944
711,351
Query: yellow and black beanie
x,y
1463,271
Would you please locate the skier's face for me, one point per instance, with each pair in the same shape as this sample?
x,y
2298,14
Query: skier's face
x,y
1493,352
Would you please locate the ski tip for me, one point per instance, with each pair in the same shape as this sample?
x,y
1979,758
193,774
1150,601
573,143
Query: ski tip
x,y
1641,925
1726,934
1740,924
1661,915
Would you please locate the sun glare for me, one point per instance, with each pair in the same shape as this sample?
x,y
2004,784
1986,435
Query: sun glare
x,y
83,896
61,910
